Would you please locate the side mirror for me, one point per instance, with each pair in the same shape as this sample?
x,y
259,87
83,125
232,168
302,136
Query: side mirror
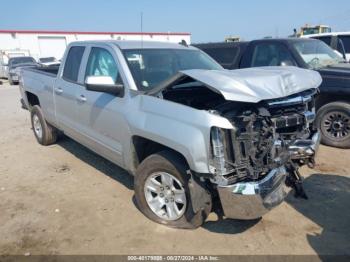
x,y
104,84
286,63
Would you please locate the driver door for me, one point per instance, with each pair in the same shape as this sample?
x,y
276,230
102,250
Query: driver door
x,y
268,54
101,114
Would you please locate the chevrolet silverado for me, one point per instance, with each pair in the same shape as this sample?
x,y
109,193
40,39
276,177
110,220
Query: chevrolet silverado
x,y
189,131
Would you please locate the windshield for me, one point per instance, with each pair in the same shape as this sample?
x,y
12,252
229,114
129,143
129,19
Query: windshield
x,y
310,31
21,60
149,67
317,54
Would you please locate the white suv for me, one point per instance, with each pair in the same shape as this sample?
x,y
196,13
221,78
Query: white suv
x,y
339,41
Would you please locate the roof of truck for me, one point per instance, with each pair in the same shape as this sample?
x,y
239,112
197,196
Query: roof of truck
x,y
327,34
287,39
136,44
220,44
241,43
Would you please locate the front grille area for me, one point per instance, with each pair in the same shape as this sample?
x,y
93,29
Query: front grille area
x,y
289,115
259,142
298,103
288,121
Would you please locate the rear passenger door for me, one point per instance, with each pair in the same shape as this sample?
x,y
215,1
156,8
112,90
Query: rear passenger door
x,y
65,91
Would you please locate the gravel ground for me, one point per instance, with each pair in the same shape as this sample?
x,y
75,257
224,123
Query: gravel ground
x,y
64,199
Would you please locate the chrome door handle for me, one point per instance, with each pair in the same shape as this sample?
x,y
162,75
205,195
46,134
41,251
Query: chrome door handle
x,y
58,90
81,98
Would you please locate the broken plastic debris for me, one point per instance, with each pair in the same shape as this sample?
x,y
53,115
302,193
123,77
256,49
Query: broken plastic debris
x,y
27,254
57,210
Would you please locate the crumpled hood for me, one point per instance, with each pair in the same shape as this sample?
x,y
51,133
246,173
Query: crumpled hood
x,y
256,84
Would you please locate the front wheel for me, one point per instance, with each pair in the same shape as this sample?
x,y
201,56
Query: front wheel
x,y
333,120
162,192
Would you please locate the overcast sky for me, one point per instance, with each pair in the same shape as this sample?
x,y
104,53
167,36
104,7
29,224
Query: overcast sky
x,y
205,20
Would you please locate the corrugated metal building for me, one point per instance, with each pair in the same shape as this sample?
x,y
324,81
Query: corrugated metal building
x,y
53,43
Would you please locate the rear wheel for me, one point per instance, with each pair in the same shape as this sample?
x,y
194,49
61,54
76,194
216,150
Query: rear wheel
x,y
333,120
44,133
163,195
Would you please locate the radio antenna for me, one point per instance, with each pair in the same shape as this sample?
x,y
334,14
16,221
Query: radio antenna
x,y
141,17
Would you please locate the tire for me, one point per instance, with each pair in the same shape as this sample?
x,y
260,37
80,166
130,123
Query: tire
x,y
333,120
11,82
168,162
44,133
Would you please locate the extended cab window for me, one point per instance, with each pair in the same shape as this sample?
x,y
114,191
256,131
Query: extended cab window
x,y
101,63
268,54
72,64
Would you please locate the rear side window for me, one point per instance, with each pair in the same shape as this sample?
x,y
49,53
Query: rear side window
x,y
224,56
72,64
325,39
346,42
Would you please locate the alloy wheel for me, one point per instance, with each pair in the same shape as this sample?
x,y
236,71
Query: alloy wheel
x,y
165,195
37,127
336,125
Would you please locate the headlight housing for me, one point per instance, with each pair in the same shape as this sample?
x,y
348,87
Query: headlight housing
x,y
219,163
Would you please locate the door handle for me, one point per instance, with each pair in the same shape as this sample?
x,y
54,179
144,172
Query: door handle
x,y
58,90
81,98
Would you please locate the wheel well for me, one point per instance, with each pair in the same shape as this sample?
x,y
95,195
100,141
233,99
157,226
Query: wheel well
x,y
32,99
144,147
326,99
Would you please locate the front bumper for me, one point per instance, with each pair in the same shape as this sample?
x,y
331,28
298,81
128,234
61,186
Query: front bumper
x,y
251,200
305,148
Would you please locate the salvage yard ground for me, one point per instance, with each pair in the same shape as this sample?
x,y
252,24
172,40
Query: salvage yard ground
x,y
63,199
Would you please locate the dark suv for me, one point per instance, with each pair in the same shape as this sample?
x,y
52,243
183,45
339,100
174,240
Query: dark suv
x,y
333,102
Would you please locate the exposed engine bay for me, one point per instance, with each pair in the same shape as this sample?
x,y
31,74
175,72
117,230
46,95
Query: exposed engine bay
x,y
266,135
262,136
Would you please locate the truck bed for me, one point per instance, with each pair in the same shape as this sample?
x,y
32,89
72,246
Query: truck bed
x,y
52,70
40,81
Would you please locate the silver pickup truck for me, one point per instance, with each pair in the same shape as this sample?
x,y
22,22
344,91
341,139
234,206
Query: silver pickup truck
x,y
190,132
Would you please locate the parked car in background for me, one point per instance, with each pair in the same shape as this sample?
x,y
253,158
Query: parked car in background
x,y
338,41
48,61
333,102
15,65
188,130
5,55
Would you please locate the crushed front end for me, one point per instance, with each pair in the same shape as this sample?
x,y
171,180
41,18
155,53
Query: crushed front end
x,y
253,162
